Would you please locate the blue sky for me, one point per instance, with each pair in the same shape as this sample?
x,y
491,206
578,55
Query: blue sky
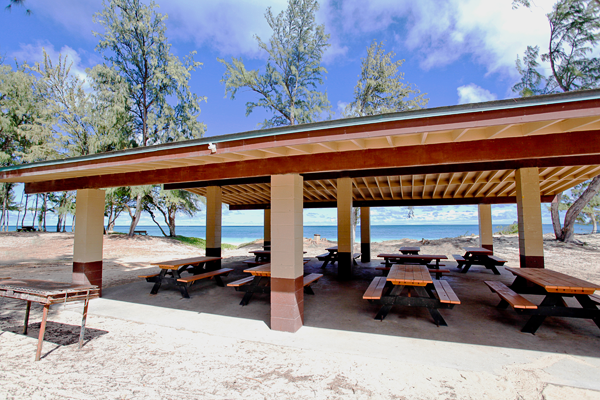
x,y
456,51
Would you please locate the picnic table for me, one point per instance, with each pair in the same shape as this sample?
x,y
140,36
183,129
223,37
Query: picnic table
x,y
199,267
555,287
478,256
261,255
260,280
48,293
411,285
332,256
410,250
26,228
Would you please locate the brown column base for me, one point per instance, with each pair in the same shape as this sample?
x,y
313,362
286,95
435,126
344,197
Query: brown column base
x,y
365,252
88,273
287,304
531,261
267,243
344,266
214,252
488,246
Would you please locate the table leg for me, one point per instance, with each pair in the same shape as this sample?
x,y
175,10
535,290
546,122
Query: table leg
x,y
551,300
84,318
38,353
26,323
435,314
466,267
586,302
180,285
159,278
385,309
250,290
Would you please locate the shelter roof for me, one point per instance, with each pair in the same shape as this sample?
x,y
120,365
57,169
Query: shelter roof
x,y
446,155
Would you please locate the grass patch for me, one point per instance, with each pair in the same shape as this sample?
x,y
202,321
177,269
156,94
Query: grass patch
x,y
201,243
509,230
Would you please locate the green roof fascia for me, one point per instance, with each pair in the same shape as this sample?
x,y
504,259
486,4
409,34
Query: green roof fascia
x,y
497,105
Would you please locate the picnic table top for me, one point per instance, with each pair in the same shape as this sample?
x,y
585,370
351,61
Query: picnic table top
x,y
264,270
413,256
47,292
174,264
332,249
555,282
409,275
260,251
478,250
410,248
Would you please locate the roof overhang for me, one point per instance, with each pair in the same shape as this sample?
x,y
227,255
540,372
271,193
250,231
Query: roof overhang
x,y
464,153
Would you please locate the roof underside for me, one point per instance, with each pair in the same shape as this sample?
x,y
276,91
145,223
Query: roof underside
x,y
466,156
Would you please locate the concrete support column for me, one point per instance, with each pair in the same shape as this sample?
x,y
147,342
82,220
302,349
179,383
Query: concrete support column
x,y
344,221
267,227
486,239
287,268
89,236
531,241
365,234
213,223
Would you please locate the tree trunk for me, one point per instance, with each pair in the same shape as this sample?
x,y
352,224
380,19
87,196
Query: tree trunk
x,y
572,213
555,215
19,214
156,222
37,199
171,223
25,209
138,213
593,218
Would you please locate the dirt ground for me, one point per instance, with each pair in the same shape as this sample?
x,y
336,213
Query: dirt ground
x,y
129,360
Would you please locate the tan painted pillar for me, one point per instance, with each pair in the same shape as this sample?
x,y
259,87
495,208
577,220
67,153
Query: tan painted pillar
x,y
287,268
486,238
344,221
267,227
213,223
531,240
365,234
89,236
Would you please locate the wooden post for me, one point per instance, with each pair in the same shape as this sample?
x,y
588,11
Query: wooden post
x,y
344,221
486,238
365,234
531,239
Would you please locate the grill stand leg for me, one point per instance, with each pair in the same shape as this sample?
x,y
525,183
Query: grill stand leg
x,y
38,353
84,318
26,323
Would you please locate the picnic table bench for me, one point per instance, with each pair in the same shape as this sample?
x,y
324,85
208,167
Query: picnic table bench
x,y
26,228
199,267
411,285
478,256
257,284
47,293
145,233
554,286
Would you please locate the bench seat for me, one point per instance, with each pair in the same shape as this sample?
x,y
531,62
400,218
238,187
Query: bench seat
x,y
459,259
322,257
241,282
444,292
497,260
252,263
375,289
507,294
148,276
191,279
311,278
594,297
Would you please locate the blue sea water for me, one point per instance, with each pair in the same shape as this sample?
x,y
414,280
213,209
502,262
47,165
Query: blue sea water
x,y
243,234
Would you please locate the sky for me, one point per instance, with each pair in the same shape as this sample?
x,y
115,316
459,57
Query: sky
x,y
455,51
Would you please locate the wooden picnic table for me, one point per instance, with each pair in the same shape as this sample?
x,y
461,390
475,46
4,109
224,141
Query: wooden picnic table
x,y
478,256
555,287
261,280
411,285
48,293
423,259
261,255
199,267
410,250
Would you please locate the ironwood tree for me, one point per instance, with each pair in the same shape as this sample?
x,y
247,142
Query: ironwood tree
x,y
134,43
289,85
574,34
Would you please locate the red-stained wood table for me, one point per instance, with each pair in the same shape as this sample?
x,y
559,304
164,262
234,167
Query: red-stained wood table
x,y
410,250
554,286
48,293
411,285
479,256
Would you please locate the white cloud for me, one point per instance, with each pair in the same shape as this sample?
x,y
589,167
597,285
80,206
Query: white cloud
x,y
443,31
472,93
35,54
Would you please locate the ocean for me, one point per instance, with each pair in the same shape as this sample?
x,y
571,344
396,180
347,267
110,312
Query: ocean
x,y
243,234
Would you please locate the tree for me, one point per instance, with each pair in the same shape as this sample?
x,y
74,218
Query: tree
x,y
19,3
134,44
574,33
380,88
288,86
171,202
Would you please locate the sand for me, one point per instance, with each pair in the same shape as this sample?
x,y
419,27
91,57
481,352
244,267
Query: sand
x,y
125,360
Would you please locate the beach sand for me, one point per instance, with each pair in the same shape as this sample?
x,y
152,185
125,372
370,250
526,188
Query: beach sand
x,y
127,359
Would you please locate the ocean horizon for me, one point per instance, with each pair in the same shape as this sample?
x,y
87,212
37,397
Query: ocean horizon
x,y
243,234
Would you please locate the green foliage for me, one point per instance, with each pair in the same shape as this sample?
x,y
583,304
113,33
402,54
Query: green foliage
x,y
288,87
134,44
509,230
19,3
201,243
171,202
380,88
532,81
